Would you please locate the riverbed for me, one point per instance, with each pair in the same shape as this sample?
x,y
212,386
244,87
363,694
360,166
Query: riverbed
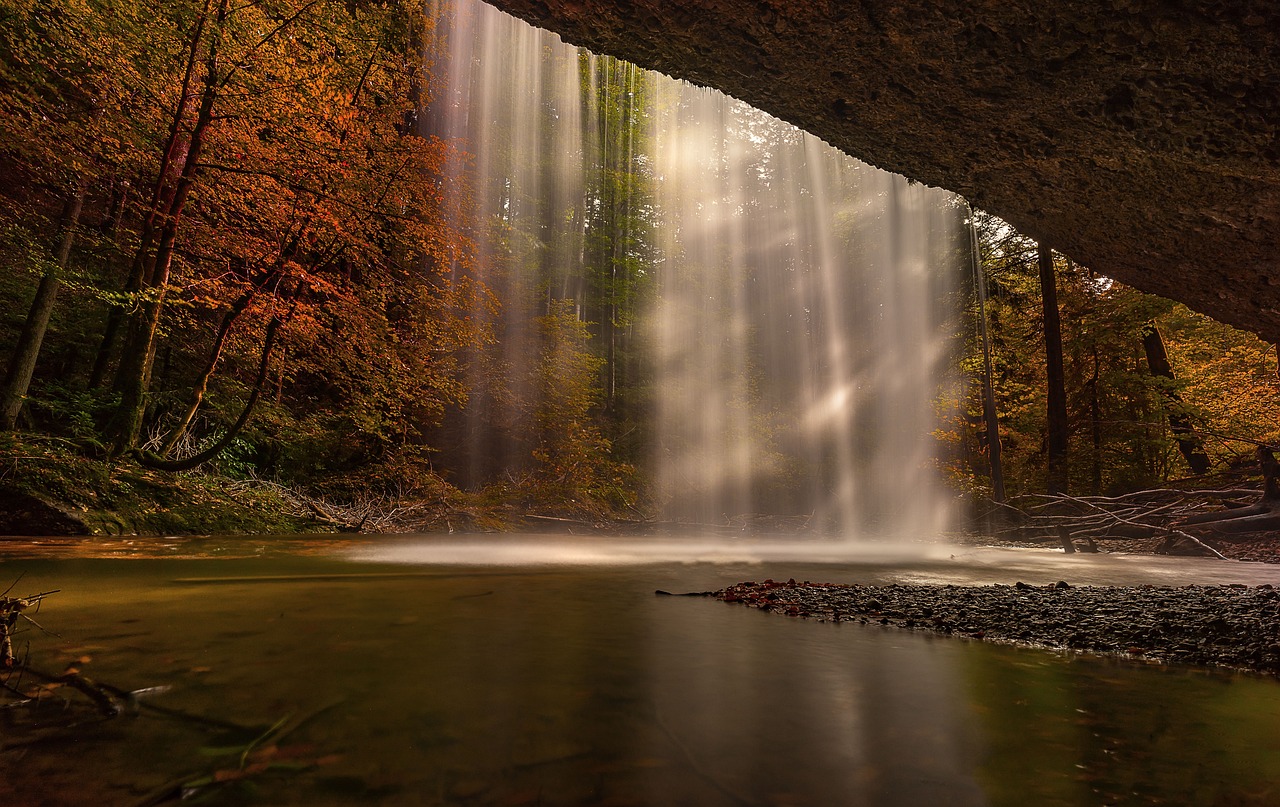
x,y
508,670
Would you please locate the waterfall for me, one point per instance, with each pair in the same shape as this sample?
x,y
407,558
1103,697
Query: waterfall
x,y
789,302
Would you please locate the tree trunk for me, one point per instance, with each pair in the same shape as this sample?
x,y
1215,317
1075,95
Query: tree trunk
x,y
1190,444
172,161
238,307
134,375
227,439
105,355
1095,422
989,414
22,364
1054,375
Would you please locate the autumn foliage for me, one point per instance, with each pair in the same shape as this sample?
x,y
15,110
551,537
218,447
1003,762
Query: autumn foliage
x,y
1130,428
266,258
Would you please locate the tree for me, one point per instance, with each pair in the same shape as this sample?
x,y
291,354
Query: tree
x,y
23,362
1191,446
1058,426
67,117
293,246
176,175
1119,427
990,415
568,445
619,215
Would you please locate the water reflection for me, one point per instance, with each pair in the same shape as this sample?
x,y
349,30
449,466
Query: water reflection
x,y
881,717
566,682
832,560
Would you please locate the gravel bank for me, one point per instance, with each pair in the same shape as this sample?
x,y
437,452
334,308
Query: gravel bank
x,y
1233,626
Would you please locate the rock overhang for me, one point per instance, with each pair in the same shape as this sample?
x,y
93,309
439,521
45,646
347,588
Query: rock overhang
x,y
1139,137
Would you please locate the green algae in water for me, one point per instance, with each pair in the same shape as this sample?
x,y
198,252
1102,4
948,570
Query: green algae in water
x,y
1064,730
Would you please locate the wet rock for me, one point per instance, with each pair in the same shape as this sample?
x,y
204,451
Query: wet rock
x,y
1230,626
23,514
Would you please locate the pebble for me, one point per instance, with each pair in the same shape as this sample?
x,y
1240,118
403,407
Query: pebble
x,y
1230,626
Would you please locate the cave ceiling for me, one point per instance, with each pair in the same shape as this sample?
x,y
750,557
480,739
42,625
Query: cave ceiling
x,y
1138,138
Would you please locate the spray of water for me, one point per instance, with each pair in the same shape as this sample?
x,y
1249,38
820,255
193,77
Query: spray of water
x,y
791,298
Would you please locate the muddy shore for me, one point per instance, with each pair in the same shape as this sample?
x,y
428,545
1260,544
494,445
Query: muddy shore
x,y
1232,626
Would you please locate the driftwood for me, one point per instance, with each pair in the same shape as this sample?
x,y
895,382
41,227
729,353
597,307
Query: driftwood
x,y
248,760
342,522
1178,517
340,518
1261,515
39,707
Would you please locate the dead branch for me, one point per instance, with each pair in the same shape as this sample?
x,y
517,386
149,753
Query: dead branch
x,y
11,610
1264,514
106,703
1151,513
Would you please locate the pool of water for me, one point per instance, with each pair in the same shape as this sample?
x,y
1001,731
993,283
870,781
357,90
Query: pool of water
x,y
544,671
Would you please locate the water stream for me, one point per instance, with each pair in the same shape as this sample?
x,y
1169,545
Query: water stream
x,y
506,670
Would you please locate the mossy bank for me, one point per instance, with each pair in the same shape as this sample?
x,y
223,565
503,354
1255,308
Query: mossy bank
x,y
47,487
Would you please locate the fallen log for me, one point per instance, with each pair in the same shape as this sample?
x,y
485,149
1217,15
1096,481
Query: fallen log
x,y
1229,514
1259,516
1168,514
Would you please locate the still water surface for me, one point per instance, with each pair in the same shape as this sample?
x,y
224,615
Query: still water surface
x,y
527,670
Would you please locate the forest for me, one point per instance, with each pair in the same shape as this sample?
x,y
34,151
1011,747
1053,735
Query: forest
x,y
243,265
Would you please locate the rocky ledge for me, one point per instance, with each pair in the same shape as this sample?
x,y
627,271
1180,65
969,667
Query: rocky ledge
x,y
1141,138
1231,626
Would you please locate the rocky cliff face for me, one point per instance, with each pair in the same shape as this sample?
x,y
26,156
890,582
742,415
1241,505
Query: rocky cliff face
x,y
1139,137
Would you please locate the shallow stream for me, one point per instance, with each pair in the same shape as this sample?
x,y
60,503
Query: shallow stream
x,y
533,670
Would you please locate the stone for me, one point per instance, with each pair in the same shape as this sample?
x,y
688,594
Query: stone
x,y
1140,139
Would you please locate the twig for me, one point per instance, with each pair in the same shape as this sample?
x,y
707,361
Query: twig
x,y
21,575
176,788
1187,537
107,705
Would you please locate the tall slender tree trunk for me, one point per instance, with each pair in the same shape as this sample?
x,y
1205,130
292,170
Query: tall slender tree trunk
x,y
134,375
1095,421
989,414
172,160
1189,443
22,364
110,226
1055,377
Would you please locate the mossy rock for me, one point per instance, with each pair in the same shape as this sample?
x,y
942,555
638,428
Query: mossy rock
x,y
25,514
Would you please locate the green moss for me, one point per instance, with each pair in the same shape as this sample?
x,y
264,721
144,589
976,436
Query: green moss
x,y
49,487
113,498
